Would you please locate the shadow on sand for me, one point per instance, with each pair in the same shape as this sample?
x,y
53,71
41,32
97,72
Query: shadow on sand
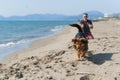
x,y
100,58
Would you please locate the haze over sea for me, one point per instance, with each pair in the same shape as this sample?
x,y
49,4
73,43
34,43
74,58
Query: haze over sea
x,y
17,35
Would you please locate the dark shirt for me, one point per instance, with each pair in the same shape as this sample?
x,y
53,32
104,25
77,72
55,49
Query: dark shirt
x,y
86,27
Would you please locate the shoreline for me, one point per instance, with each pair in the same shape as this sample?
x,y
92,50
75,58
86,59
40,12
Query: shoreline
x,y
43,43
21,40
34,45
55,58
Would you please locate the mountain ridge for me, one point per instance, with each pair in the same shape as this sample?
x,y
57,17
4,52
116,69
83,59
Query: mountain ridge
x,y
92,15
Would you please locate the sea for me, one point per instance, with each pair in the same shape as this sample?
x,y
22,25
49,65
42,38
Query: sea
x,y
18,35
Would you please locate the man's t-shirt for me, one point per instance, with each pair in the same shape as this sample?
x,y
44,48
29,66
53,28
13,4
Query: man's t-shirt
x,y
86,27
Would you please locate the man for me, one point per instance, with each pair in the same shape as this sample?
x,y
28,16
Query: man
x,y
86,25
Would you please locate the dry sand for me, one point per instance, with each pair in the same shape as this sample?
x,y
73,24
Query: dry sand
x,y
54,58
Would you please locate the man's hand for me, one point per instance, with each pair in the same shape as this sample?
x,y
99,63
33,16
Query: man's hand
x,y
90,26
81,25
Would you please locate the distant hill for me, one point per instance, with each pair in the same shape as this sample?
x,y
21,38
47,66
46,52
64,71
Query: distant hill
x,y
92,15
39,17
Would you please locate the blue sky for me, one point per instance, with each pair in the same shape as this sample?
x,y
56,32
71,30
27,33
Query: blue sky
x,y
67,7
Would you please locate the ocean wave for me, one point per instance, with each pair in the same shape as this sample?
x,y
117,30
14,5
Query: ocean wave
x,y
57,28
11,43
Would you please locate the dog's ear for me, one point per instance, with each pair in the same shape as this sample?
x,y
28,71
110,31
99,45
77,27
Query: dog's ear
x,y
84,40
73,40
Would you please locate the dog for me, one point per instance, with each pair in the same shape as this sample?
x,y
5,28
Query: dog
x,y
81,47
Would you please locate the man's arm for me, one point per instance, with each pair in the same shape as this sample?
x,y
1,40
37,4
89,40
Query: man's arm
x,y
90,24
81,24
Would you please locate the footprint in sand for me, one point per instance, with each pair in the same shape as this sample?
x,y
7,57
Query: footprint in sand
x,y
87,77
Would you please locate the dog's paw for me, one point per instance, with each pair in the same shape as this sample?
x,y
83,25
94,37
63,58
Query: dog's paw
x,y
82,59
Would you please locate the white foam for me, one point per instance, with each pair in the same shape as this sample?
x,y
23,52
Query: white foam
x,y
57,28
12,43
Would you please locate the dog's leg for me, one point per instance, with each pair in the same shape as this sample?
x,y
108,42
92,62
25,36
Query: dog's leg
x,y
83,54
77,55
84,51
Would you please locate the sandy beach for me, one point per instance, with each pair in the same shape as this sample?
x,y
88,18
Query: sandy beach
x,y
54,58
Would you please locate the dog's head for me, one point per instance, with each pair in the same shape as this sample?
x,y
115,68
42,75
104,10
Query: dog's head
x,y
79,40
79,43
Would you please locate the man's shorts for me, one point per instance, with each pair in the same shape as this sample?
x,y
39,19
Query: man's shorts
x,y
89,36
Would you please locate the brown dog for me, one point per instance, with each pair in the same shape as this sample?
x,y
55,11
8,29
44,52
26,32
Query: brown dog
x,y
81,47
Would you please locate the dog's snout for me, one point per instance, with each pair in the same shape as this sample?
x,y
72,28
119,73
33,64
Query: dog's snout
x,y
78,47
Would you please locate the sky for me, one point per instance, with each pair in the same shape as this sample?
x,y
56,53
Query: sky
x,y
66,7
